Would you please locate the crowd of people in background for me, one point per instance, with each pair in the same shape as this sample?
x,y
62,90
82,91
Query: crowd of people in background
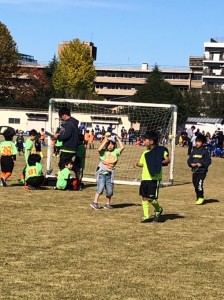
x,y
214,142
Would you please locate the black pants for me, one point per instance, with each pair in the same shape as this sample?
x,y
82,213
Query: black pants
x,y
64,158
35,181
190,145
198,181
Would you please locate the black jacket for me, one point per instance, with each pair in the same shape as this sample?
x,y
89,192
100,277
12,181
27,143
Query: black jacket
x,y
69,135
202,156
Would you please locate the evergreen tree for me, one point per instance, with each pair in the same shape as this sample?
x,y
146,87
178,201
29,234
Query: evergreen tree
x,y
213,104
49,72
192,103
157,90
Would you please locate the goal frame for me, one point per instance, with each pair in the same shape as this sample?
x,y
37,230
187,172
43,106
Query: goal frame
x,y
112,103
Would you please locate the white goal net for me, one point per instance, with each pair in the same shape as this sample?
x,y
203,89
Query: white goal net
x,y
129,121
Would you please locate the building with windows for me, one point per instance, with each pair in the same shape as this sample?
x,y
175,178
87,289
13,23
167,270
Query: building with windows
x,y
114,82
117,82
213,64
25,59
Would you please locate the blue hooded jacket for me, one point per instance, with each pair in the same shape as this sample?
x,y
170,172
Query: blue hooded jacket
x,y
69,135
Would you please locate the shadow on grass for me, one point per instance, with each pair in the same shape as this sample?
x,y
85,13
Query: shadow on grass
x,y
123,205
207,201
22,186
176,183
16,184
89,184
166,217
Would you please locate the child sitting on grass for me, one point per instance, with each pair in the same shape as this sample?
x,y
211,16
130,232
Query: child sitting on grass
x,y
63,177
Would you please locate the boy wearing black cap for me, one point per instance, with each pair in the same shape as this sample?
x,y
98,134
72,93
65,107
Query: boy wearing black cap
x,y
152,161
199,161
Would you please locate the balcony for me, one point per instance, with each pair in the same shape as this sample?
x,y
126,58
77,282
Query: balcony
x,y
214,58
213,73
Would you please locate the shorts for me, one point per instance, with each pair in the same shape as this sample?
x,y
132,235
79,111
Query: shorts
x,y
7,164
20,146
149,189
104,181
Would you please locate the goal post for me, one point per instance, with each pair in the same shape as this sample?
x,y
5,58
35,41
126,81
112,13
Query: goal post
x,y
133,117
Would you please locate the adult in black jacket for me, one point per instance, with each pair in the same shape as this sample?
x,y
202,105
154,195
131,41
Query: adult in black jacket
x,y
69,135
199,161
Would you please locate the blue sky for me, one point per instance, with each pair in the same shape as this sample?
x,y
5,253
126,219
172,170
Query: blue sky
x,y
165,32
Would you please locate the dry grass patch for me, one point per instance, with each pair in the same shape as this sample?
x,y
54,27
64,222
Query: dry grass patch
x,y
54,246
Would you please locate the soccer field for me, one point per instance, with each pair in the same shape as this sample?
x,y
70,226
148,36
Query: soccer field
x,y
55,246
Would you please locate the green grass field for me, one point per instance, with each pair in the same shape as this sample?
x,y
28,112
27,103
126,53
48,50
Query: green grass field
x,y
55,246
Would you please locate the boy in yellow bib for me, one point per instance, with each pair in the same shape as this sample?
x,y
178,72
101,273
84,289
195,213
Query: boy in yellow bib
x,y
152,161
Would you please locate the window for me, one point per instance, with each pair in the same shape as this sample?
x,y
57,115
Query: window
x,y
14,121
196,77
168,76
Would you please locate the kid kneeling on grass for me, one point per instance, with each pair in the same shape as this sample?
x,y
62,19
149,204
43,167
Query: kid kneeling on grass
x,y
105,170
199,161
63,177
34,177
152,161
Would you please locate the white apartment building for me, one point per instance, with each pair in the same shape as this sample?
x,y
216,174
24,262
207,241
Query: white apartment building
x,y
213,64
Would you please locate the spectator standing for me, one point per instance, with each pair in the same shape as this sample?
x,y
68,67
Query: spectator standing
x,y
103,131
69,135
42,137
131,133
20,143
184,136
91,139
82,128
190,133
97,128
110,128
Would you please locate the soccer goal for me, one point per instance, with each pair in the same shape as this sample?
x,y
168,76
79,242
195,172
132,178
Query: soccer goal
x,y
132,119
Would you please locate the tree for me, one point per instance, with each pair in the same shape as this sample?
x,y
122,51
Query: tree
x,y
75,74
213,104
8,63
157,90
49,72
192,103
